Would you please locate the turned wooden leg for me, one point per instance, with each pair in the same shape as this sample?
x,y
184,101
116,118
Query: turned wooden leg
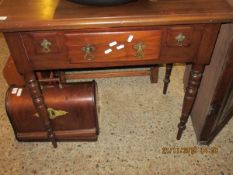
x,y
167,77
190,96
39,104
154,72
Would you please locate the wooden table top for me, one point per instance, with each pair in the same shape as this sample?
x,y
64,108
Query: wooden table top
x,y
23,15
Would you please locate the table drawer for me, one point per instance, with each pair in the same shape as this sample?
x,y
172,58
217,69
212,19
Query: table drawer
x,y
80,48
44,47
113,46
181,43
181,36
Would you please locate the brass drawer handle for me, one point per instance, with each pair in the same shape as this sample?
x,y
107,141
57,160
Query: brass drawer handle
x,y
88,50
46,44
180,39
140,49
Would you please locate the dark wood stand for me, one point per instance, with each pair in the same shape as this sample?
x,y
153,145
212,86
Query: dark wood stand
x,y
70,37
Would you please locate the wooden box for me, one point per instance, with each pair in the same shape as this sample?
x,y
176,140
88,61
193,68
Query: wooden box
x,y
72,109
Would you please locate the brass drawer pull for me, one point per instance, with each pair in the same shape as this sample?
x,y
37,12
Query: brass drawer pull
x,y
180,39
88,50
140,50
46,44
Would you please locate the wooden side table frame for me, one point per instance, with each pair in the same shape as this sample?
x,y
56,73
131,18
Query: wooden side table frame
x,y
167,32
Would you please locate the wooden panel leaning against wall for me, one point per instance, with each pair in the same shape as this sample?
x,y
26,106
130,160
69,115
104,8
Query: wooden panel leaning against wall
x,y
212,98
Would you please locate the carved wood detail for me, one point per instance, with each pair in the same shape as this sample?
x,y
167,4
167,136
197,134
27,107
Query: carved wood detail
x,y
40,105
190,96
167,77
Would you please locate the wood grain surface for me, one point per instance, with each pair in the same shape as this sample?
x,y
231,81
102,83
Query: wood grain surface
x,y
62,14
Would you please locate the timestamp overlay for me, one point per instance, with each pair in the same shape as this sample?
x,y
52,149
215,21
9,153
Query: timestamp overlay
x,y
190,150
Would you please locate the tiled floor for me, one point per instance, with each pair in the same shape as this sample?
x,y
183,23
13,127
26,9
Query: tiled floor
x,y
136,123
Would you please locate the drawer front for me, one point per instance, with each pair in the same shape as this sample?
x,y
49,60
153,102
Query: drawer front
x,y
45,47
113,46
179,36
181,43
116,47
